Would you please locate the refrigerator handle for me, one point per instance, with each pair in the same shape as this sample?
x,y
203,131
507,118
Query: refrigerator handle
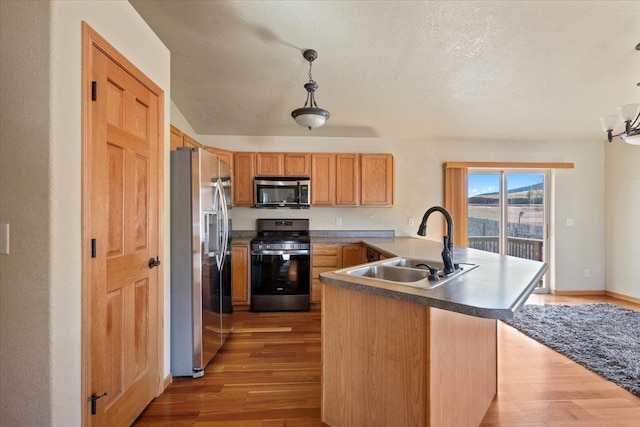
x,y
225,224
219,225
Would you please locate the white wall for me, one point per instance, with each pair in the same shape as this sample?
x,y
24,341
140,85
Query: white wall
x,y
419,185
179,120
41,119
622,218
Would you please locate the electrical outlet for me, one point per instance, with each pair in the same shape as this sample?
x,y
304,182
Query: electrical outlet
x,y
410,220
587,273
338,220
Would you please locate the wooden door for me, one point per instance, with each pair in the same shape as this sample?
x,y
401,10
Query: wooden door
x,y
269,164
243,173
376,171
323,179
123,195
297,164
348,179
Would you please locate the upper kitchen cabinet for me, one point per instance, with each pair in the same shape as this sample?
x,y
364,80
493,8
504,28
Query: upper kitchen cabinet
x,y
225,155
243,173
283,164
348,179
323,179
297,164
376,178
190,142
269,164
176,137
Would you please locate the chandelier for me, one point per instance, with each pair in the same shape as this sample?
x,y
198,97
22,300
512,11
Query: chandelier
x,y
310,117
630,116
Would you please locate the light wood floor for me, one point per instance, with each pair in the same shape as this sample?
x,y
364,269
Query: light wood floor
x,y
268,374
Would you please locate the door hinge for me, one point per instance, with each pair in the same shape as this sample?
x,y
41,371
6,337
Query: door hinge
x,y
94,248
94,91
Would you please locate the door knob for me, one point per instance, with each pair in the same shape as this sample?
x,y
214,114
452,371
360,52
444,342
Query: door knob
x,y
154,262
93,398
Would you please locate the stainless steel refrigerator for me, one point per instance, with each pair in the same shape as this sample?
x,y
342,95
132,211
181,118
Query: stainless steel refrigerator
x,y
200,259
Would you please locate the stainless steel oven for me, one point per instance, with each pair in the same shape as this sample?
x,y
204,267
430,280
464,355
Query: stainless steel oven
x,y
281,265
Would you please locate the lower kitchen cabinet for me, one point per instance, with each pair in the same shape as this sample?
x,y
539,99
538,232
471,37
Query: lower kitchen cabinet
x,y
329,257
324,257
352,254
240,274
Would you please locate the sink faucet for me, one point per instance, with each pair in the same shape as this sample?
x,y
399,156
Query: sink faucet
x,y
447,252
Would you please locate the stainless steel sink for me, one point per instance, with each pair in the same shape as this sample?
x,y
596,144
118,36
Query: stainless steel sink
x,y
391,274
425,264
408,271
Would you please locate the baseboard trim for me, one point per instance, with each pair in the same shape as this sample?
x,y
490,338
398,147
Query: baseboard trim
x,y
622,297
167,380
576,293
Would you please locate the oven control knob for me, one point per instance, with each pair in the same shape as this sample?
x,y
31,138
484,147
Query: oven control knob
x,y
293,246
279,246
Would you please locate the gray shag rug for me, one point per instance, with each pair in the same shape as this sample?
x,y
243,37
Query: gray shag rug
x,y
604,338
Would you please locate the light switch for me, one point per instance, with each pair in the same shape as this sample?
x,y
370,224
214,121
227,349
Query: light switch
x,y
4,239
569,222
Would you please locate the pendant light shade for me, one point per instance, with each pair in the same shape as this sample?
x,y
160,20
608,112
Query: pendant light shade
x,y
310,116
629,115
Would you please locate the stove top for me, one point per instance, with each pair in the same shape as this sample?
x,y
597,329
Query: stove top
x,y
282,239
282,234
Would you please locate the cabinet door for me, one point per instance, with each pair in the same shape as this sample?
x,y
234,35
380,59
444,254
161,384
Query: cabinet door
x,y
175,138
243,173
240,274
297,164
323,179
352,254
348,179
190,142
269,164
225,155
324,257
376,176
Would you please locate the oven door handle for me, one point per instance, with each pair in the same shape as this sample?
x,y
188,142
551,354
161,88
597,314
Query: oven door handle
x,y
283,252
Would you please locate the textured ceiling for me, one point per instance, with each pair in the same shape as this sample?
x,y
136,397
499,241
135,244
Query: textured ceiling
x,y
499,70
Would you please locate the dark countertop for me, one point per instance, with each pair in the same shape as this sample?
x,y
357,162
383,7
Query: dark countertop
x,y
496,289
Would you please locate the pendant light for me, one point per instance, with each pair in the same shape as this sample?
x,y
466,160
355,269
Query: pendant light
x,y
310,116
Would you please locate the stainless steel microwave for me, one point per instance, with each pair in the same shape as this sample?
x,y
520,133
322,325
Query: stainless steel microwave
x,y
282,192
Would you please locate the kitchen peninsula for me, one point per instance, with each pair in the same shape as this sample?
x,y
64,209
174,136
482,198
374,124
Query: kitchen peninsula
x,y
396,354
